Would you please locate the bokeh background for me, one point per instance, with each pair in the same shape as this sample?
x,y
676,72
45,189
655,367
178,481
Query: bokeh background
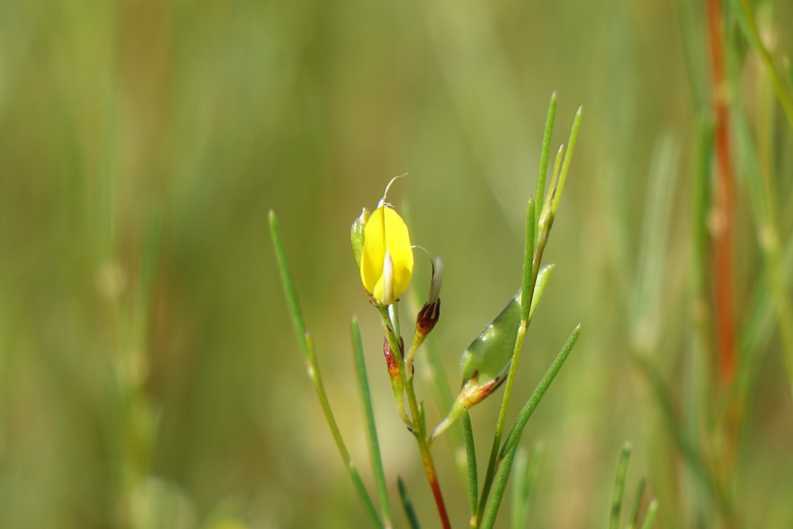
x,y
149,376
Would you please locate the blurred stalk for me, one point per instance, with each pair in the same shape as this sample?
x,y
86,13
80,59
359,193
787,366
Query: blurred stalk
x,y
633,522
722,215
649,518
619,487
781,86
688,449
526,471
312,368
767,222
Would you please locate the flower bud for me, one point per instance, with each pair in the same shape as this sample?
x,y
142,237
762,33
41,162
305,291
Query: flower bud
x,y
430,313
427,317
386,264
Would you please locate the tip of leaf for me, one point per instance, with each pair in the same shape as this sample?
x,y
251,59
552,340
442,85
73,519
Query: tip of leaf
x,y
627,448
553,96
271,216
580,111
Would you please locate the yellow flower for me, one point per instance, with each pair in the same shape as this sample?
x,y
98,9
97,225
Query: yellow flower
x,y
386,257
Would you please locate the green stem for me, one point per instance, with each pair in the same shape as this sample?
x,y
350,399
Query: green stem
x,y
416,422
312,367
371,426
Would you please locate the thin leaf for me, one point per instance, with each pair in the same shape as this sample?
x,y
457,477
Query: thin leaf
x,y
314,373
407,505
499,486
371,426
470,453
568,158
539,392
545,152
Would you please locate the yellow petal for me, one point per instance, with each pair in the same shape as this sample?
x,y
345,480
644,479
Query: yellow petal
x,y
386,232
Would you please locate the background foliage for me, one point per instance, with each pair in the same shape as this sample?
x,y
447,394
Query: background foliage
x,y
147,370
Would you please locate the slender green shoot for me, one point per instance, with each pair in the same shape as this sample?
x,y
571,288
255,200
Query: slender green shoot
x,y
542,172
619,487
407,505
312,367
371,425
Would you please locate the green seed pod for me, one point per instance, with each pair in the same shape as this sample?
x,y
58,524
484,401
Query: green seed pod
x,y
490,353
486,361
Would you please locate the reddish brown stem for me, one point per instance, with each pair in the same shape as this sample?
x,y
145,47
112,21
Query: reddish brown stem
x,y
432,478
722,220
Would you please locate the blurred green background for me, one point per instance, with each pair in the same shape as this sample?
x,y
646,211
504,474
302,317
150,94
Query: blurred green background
x,y
148,372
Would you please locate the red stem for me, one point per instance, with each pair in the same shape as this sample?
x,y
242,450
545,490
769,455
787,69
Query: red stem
x,y
723,203
432,478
